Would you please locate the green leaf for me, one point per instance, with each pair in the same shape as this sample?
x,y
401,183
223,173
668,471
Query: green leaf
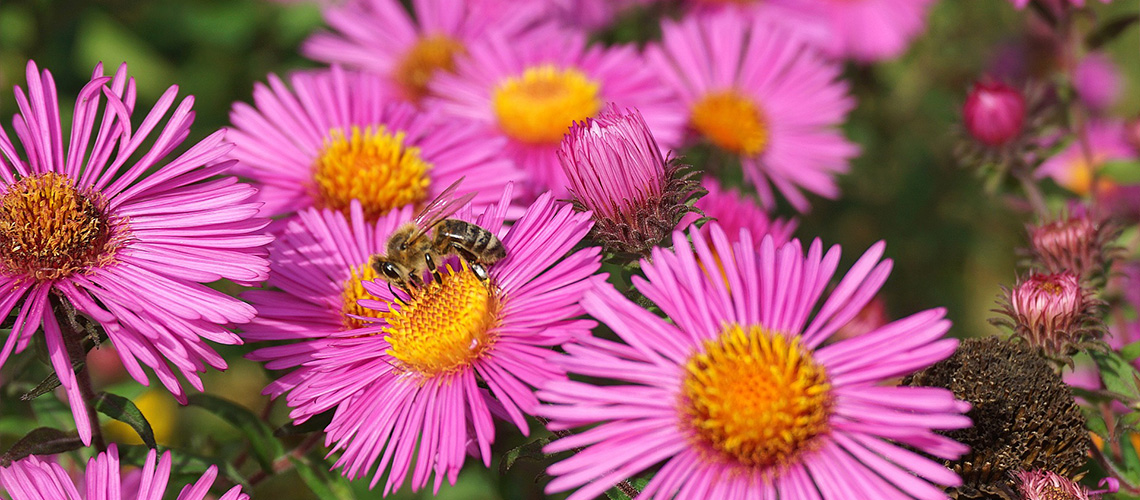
x,y
1122,171
125,411
531,450
315,424
264,447
1131,351
1108,31
1095,422
183,463
1118,375
41,441
323,484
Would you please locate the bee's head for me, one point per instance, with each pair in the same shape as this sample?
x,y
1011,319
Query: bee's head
x,y
389,270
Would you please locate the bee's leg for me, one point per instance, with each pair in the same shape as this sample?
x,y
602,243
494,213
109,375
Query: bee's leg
x,y
480,271
473,263
396,296
431,266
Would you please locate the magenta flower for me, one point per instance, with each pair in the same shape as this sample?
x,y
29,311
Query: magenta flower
x,y
35,479
417,382
1053,313
1074,171
737,395
530,89
408,49
734,212
804,17
874,30
757,91
336,136
84,225
1097,81
994,113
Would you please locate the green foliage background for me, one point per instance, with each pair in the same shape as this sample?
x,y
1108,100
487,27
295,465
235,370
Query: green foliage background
x,y
952,244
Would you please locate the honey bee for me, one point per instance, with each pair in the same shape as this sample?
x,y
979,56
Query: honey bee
x,y
410,250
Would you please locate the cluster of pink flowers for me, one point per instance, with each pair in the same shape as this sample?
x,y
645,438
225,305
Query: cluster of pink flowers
x,y
748,370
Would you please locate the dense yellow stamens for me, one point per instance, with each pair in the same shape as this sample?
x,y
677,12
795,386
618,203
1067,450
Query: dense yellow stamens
x,y
51,230
541,105
430,54
374,166
445,325
756,398
354,291
731,121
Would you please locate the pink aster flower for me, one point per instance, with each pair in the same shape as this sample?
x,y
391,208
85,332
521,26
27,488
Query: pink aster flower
x,y
1097,81
81,223
804,17
874,30
416,379
586,14
531,89
337,136
737,396
35,479
408,49
757,91
734,212
1074,171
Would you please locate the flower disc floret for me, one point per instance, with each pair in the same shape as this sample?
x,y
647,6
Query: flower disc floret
x,y
429,54
731,121
51,230
539,105
374,166
446,325
756,397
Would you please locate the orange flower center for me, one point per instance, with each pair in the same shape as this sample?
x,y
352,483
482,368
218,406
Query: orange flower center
x,y
50,230
445,326
374,166
541,105
732,122
430,54
756,398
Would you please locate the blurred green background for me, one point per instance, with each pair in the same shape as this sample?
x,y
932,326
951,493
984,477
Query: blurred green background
x,y
952,244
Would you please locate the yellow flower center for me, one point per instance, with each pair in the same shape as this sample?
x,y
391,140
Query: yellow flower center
x,y
430,54
732,122
756,398
50,230
540,106
445,325
1080,177
354,291
373,166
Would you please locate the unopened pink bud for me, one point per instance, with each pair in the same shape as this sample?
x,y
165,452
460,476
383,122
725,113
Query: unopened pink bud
x,y
994,113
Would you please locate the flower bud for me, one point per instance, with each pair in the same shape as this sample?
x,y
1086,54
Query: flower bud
x,y
1053,313
616,170
994,113
1075,243
1046,485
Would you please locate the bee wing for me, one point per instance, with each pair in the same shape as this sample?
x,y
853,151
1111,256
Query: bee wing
x,y
442,207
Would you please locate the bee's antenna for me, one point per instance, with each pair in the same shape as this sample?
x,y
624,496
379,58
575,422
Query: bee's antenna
x,y
396,296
